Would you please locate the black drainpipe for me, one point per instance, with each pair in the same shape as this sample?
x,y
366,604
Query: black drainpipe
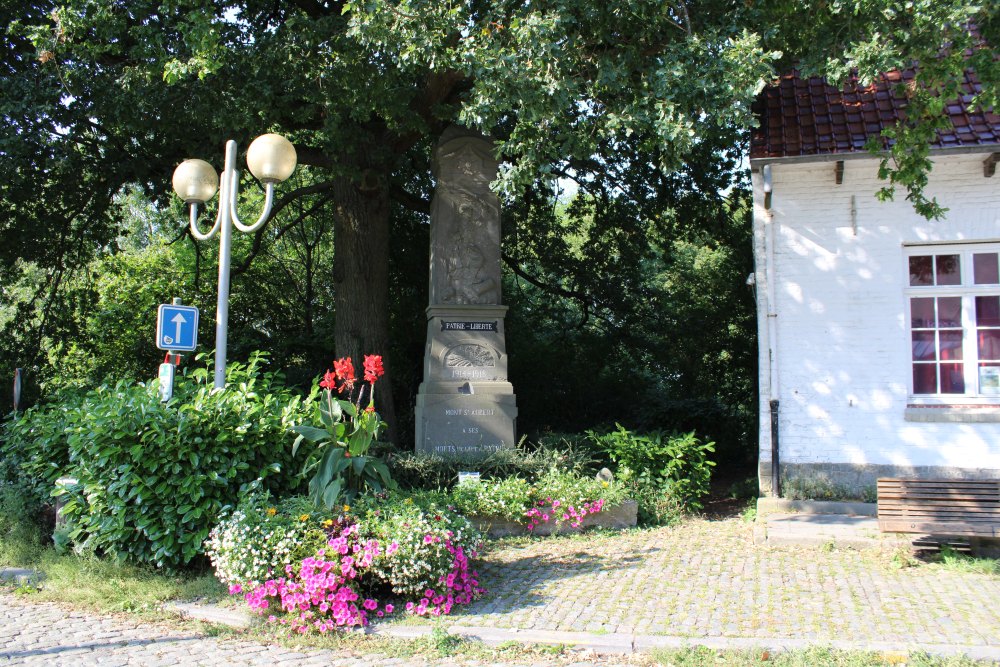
x,y
775,467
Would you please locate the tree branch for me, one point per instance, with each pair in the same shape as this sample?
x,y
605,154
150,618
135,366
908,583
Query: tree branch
x,y
258,239
409,200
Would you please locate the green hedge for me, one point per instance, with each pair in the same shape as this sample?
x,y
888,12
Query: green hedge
x,y
154,477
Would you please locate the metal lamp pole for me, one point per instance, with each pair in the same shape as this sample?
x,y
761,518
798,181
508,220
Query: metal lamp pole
x,y
271,158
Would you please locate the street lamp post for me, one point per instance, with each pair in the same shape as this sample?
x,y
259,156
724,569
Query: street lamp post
x,y
271,158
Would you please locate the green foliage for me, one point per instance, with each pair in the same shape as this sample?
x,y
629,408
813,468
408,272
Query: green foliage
x,y
341,464
574,490
960,562
677,463
747,488
658,506
631,275
153,477
506,498
24,524
513,497
527,460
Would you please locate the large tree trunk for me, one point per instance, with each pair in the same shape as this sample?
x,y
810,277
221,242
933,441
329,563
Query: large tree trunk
x,y
361,279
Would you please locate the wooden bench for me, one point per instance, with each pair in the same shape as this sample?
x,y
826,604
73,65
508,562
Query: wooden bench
x,y
939,506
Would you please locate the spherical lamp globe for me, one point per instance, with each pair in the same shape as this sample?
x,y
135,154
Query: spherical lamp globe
x,y
271,158
195,181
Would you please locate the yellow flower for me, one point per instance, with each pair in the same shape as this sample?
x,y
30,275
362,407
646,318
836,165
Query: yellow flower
x,y
271,511
327,523
304,517
347,508
408,501
604,484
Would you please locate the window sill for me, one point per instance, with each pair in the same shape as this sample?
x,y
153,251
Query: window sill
x,y
965,414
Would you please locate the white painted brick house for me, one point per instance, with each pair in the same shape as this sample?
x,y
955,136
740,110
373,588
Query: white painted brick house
x,y
879,330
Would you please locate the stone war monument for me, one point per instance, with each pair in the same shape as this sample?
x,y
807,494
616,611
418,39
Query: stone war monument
x,y
465,405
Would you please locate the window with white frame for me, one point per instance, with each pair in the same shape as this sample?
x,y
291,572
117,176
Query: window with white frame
x,y
953,303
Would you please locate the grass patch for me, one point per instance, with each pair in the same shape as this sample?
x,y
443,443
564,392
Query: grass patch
x,y
955,561
699,656
106,585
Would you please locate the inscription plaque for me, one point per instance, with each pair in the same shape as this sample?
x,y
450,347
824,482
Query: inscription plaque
x,y
469,326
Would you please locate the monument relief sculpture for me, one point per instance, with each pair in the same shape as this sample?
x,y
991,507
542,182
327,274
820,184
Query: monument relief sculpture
x,y
465,224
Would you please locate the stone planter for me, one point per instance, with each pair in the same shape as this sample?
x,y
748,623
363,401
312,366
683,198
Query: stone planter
x,y
618,517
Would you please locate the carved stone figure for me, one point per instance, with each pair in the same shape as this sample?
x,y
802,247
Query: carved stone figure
x,y
465,222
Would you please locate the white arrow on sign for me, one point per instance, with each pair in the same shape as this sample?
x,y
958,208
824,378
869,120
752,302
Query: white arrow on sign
x,y
179,320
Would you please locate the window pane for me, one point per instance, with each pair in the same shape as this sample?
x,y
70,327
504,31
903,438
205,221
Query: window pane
x,y
988,311
948,270
924,378
950,311
984,268
989,344
952,379
923,346
951,345
922,313
921,271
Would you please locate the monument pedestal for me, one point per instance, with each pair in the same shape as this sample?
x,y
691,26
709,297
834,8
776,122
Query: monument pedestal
x,y
465,405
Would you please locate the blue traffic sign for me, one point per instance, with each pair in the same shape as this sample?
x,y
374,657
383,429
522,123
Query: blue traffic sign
x,y
177,328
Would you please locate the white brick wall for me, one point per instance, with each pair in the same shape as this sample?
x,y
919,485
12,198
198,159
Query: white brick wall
x,y
839,339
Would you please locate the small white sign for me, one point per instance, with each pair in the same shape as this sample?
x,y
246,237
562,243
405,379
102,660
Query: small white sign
x,y
166,382
989,380
468,478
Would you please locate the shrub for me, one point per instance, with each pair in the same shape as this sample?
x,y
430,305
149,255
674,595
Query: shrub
x,y
677,463
24,524
656,506
154,477
419,471
34,450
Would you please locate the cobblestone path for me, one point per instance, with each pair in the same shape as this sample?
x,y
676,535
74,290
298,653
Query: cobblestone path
x,y
708,579
33,633
703,580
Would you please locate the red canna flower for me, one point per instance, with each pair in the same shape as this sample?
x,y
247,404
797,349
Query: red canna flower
x,y
329,381
373,367
344,368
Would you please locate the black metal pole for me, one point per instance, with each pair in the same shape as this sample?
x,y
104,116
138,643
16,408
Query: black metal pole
x,y
775,464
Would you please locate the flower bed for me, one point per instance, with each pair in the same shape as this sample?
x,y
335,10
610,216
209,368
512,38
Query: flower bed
x,y
623,515
556,503
360,563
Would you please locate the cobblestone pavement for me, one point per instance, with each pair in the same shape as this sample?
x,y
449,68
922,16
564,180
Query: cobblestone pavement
x,y
701,581
708,579
33,633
